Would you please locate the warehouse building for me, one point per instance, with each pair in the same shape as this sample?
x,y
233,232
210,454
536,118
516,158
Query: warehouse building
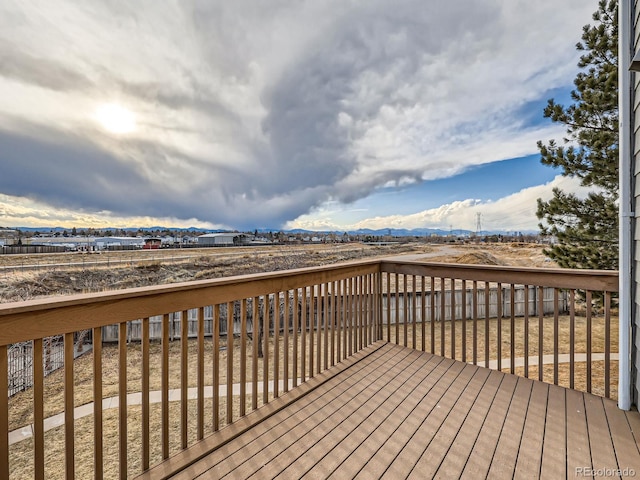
x,y
223,239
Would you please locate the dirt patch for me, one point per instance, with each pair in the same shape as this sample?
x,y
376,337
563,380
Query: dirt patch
x,y
478,258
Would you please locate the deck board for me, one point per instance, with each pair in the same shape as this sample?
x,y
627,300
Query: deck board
x,y
554,449
393,412
485,412
625,448
602,452
578,449
323,432
529,455
265,434
386,450
507,417
471,379
471,409
376,428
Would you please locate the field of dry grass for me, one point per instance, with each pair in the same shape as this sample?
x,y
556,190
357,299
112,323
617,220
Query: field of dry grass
x,y
143,268
68,273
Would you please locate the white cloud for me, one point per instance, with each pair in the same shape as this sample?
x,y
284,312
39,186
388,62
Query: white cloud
x,y
251,113
515,212
23,212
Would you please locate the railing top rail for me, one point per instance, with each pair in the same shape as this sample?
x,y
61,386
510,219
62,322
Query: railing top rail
x,y
596,280
39,318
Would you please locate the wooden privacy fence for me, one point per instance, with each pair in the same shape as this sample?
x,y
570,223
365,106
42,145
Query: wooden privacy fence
x,y
522,301
289,326
462,300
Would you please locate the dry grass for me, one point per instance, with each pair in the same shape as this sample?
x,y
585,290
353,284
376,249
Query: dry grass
x,y
143,268
505,343
21,454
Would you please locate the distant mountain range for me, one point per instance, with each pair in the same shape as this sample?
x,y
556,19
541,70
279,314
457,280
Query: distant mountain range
x,y
393,232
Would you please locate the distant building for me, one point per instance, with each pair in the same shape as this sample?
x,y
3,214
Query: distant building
x,y
152,243
104,243
70,243
8,236
223,239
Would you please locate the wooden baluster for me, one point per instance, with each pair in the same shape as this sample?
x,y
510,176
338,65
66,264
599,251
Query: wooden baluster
x,y
443,313
334,309
319,314
69,406
433,315
345,316
589,340
285,356
305,326
572,338
540,333
405,310
397,298
4,412
266,328
364,312
359,309
38,411
475,322
165,386
339,319
146,439
423,308
499,325
388,297
200,374
513,329
607,344
276,345
556,343
453,318
487,316
230,332
255,341
98,463
312,326
526,331
122,397
352,318
373,308
463,304
243,357
326,318
414,313
295,310
215,365
184,377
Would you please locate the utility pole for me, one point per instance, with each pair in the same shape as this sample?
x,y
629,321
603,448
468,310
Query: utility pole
x,y
478,224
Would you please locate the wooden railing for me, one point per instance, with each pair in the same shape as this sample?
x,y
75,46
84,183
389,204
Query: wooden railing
x,y
124,407
554,325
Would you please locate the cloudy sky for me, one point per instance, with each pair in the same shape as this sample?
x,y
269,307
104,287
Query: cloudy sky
x,y
332,114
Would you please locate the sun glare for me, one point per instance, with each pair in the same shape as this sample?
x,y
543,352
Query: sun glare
x,y
115,118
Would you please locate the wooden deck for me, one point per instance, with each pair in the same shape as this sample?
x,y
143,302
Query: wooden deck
x,y
393,412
